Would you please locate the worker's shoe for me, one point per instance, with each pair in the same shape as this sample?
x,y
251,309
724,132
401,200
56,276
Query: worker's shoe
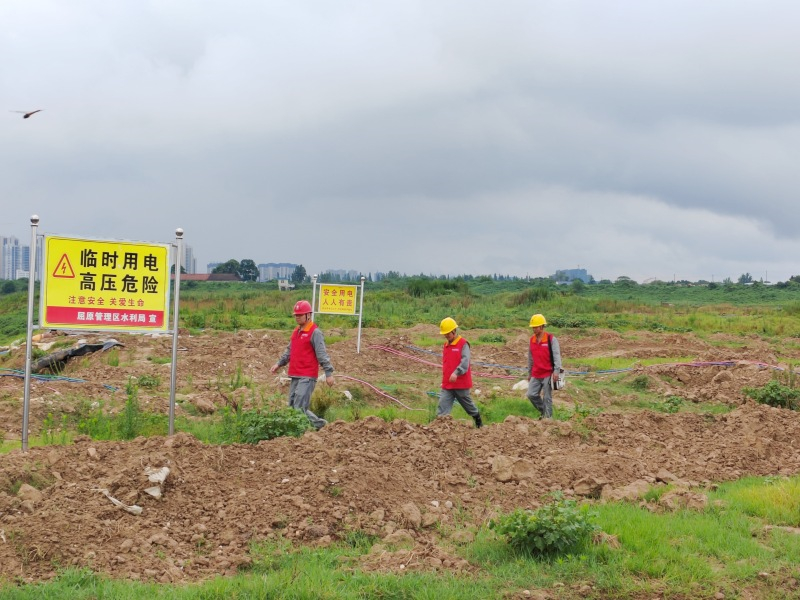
x,y
478,421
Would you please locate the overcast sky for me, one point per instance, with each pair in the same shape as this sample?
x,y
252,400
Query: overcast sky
x,y
648,139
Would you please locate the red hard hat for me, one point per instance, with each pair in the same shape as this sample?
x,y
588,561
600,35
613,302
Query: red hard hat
x,y
303,307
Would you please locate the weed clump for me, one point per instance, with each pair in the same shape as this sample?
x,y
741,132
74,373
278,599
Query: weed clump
x,y
255,425
640,383
492,338
556,528
775,394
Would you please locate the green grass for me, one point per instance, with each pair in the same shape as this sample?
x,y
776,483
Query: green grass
x,y
775,499
684,554
486,303
160,360
609,363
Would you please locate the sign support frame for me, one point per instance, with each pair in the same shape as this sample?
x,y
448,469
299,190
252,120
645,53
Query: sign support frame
x,y
360,306
30,325
175,322
26,403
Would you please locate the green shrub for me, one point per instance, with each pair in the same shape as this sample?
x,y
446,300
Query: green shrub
x,y
640,383
355,403
149,381
555,528
160,360
255,425
672,404
93,421
775,394
573,321
229,426
532,295
129,421
388,413
113,358
323,398
492,338
239,379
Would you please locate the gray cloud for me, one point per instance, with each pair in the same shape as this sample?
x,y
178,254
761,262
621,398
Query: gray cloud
x,y
633,139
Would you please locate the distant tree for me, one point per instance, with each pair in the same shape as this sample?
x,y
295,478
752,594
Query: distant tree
x,y
745,278
625,281
577,286
172,270
299,274
8,287
713,285
248,271
232,266
795,278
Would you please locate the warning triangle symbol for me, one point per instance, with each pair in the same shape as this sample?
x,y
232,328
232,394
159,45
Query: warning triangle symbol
x,y
64,268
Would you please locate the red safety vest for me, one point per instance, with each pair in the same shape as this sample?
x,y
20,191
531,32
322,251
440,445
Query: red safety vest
x,y
540,351
302,358
451,358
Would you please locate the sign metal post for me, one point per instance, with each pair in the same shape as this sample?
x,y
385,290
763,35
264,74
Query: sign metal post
x,y
26,403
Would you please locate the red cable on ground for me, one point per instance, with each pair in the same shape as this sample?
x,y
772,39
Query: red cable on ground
x,y
378,391
404,355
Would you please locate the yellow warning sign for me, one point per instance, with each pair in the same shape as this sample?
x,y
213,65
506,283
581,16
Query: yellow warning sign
x,y
337,299
94,284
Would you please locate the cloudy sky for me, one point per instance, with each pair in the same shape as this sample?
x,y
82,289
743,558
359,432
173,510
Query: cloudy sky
x,y
647,139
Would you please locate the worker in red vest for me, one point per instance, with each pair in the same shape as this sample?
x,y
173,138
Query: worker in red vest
x,y
456,373
544,366
305,354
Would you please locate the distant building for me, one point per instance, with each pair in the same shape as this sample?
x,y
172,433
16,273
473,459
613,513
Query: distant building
x,y
9,250
284,285
270,271
211,266
15,258
568,275
189,262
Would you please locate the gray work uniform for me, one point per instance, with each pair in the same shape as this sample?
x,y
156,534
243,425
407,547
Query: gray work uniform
x,y
301,388
540,389
448,396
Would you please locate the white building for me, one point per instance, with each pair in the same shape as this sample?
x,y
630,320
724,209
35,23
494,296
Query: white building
x,y
270,271
15,258
189,262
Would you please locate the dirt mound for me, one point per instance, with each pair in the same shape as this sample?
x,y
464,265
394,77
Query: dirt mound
x,y
408,485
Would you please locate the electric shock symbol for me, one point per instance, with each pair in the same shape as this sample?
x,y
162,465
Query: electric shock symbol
x,y
64,268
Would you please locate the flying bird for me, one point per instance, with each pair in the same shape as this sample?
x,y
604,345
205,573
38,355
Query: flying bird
x,y
25,114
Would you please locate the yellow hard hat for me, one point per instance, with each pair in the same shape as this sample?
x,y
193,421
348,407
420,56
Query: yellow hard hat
x,y
537,320
447,325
